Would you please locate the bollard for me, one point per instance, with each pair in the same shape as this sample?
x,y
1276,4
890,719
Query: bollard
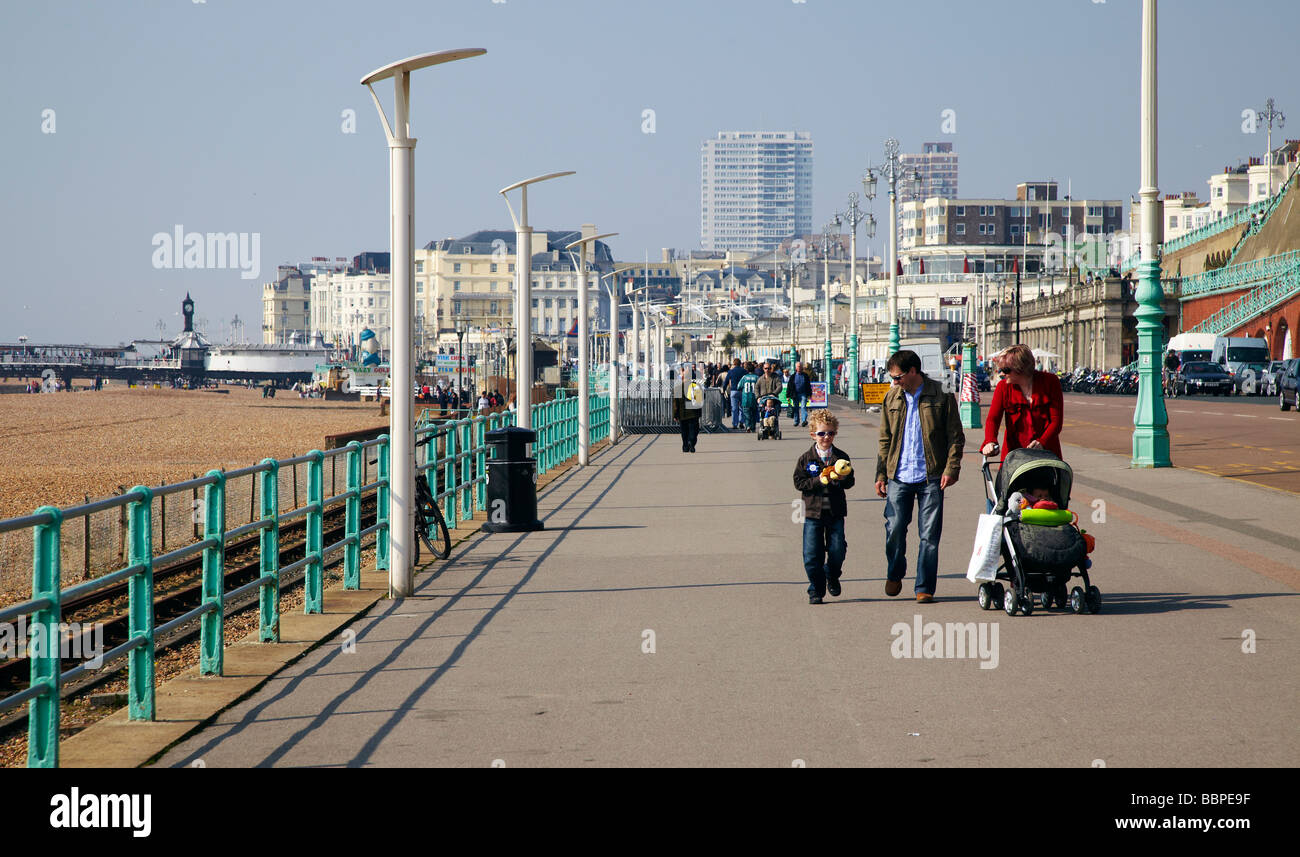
x,y
212,636
381,516
269,591
140,672
313,583
352,553
43,711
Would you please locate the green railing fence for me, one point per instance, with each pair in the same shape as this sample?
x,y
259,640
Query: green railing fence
x,y
456,458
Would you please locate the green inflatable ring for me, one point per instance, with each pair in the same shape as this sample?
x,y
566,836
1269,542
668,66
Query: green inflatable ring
x,y
1046,517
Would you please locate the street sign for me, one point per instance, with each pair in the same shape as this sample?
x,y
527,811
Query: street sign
x,y
874,394
818,398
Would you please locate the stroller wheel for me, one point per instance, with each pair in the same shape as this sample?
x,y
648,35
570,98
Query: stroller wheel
x,y
1026,603
1077,604
986,596
1094,599
1045,600
999,592
1009,602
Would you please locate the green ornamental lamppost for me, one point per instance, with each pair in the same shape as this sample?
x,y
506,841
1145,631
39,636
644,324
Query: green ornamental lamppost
x,y
969,406
1150,420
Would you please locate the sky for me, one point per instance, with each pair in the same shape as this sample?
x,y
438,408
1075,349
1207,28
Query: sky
x,y
123,120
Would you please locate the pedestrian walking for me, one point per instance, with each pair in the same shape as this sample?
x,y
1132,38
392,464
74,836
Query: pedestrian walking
x,y
731,389
921,442
749,396
824,506
1029,401
688,404
770,383
798,390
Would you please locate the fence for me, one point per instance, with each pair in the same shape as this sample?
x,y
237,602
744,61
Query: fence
x,y
455,458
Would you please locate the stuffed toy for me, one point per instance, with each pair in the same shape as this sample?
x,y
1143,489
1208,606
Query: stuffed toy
x,y
838,470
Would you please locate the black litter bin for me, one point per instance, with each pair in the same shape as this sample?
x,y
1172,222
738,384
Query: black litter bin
x,y
511,482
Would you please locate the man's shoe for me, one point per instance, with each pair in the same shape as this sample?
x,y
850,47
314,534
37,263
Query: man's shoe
x,y
833,587
893,587
814,599
924,598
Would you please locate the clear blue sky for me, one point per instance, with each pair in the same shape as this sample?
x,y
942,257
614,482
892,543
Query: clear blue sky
x,y
226,116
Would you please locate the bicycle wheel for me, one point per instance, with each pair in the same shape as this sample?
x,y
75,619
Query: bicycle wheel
x,y
431,529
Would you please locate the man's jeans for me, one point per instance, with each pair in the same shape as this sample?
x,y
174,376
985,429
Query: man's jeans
x,y
799,409
823,552
899,497
735,409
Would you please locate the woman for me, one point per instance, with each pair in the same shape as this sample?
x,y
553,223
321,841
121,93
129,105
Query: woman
x,y
1030,400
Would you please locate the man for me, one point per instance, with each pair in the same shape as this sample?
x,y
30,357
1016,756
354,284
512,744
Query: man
x,y
731,387
921,443
686,408
1171,368
770,383
799,391
749,396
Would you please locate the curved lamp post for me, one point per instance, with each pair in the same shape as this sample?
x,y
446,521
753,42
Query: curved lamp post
x,y
523,297
584,345
396,553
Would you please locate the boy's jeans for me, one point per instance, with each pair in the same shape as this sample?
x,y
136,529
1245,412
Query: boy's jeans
x,y
899,497
823,552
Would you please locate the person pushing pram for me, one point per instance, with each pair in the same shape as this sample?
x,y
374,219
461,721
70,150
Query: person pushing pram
x,y
769,417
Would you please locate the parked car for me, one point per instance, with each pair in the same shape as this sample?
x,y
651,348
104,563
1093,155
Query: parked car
x,y
1272,377
1202,377
1290,380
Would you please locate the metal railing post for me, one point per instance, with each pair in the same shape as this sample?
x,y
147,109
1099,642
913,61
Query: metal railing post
x,y
352,553
452,512
212,624
465,493
140,671
480,463
269,592
43,711
382,535
314,584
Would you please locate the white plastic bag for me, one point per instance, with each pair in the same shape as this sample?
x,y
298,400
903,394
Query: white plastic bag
x,y
988,550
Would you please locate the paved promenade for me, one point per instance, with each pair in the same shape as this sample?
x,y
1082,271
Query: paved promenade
x,y
661,619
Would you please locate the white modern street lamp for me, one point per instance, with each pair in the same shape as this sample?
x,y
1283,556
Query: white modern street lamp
x,y
855,216
614,367
523,297
401,154
584,350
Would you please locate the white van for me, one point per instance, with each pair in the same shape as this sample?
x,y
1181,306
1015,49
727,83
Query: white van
x,y
1244,357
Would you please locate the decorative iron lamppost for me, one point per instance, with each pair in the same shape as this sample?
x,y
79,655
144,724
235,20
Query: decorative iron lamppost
x,y
892,170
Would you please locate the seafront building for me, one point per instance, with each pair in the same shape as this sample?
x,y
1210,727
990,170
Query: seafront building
x,y
755,189
937,164
286,306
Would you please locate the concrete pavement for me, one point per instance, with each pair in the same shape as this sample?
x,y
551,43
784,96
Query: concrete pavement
x,y
660,619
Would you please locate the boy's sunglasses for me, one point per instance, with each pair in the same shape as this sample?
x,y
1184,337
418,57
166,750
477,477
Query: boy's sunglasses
x,y
826,434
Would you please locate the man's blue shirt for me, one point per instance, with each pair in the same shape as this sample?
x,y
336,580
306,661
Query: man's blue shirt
x,y
911,459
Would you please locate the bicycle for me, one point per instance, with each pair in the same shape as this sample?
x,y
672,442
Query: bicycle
x,y
430,526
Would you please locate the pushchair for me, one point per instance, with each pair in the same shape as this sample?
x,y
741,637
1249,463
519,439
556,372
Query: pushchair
x,y
1037,558
769,418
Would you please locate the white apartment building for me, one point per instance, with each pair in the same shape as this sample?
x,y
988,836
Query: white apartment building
x,y
344,303
285,306
755,189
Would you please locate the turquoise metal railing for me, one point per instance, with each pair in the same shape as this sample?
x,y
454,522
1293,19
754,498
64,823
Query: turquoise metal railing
x,y
1239,276
1254,303
1239,217
457,450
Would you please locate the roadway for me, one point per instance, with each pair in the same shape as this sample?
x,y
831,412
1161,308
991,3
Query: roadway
x,y
1241,438
661,619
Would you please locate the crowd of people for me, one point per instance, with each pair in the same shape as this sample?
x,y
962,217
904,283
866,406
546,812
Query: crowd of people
x,y
449,400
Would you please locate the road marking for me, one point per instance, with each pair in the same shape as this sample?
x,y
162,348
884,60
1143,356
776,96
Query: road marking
x,y
1214,413
1282,419
1247,416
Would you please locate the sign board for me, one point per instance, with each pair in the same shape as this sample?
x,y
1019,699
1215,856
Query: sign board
x,y
818,398
874,394
961,301
449,362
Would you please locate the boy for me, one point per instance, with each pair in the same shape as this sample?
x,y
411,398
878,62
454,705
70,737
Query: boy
x,y
825,507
